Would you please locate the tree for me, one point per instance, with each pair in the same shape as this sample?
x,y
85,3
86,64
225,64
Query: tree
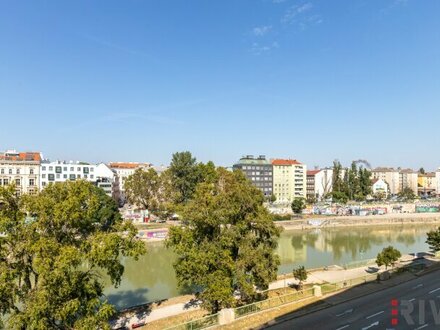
x,y
272,198
228,244
142,189
185,175
56,246
298,205
300,274
339,197
407,194
388,256
422,170
433,240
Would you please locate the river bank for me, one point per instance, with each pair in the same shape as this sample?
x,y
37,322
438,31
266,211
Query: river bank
x,y
351,221
306,223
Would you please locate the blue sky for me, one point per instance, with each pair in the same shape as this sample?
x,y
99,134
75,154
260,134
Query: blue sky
x,y
137,80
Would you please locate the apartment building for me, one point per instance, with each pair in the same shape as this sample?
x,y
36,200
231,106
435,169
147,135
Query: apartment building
x,y
258,170
390,175
21,169
123,170
427,184
408,178
289,180
61,171
319,183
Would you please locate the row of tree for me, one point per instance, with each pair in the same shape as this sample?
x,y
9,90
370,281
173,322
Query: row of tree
x,y
352,183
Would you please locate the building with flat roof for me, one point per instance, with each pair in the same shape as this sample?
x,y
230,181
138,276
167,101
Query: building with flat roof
x,y
258,170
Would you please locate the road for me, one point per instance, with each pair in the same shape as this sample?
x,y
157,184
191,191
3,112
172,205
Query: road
x,y
374,311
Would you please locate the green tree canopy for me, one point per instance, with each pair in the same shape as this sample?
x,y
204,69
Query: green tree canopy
x,y
298,205
228,243
142,189
300,274
57,245
407,194
433,240
185,175
388,256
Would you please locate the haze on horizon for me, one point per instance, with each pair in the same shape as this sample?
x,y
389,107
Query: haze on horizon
x,y
138,80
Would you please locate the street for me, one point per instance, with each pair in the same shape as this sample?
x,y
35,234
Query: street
x,y
416,303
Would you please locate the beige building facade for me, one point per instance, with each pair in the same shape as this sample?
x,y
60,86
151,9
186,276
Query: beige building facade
x,y
21,169
289,180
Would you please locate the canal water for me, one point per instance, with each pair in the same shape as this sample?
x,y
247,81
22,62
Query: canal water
x,y
152,277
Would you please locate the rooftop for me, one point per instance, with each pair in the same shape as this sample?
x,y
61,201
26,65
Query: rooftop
x,y
12,155
128,165
313,172
285,162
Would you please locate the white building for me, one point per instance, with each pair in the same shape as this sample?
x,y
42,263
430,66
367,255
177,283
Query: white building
x,y
123,171
21,169
319,183
380,187
390,176
108,180
61,171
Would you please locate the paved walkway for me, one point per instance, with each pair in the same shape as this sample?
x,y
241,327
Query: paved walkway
x,y
333,275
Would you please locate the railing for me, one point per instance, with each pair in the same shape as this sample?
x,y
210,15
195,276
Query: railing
x,y
262,305
205,322
271,303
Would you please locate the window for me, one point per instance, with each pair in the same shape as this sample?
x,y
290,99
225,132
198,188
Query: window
x,y
65,176
10,171
51,177
58,175
91,176
72,177
78,176
50,168
85,176
5,182
91,169
32,182
31,171
43,176
43,168
85,170
72,169
58,169
44,184
17,182
79,169
3,171
65,168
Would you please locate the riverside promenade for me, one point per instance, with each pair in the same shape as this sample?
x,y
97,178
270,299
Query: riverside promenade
x,y
149,313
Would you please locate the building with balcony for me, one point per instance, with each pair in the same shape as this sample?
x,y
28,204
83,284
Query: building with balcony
x,y
427,184
21,169
258,170
289,180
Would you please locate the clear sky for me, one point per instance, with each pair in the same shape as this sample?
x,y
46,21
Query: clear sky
x,y
137,80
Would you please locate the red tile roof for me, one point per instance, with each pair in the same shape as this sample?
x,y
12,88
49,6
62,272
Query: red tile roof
x,y
22,156
313,172
127,165
285,162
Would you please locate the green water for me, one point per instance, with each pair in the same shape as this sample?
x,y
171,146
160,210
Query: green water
x,y
152,277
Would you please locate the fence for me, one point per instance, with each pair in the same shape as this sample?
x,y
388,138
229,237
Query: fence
x,y
259,306
205,322
271,303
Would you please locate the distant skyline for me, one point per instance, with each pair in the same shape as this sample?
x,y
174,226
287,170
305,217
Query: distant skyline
x,y
138,80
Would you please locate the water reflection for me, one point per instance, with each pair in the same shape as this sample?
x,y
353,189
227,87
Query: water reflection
x,y
152,277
